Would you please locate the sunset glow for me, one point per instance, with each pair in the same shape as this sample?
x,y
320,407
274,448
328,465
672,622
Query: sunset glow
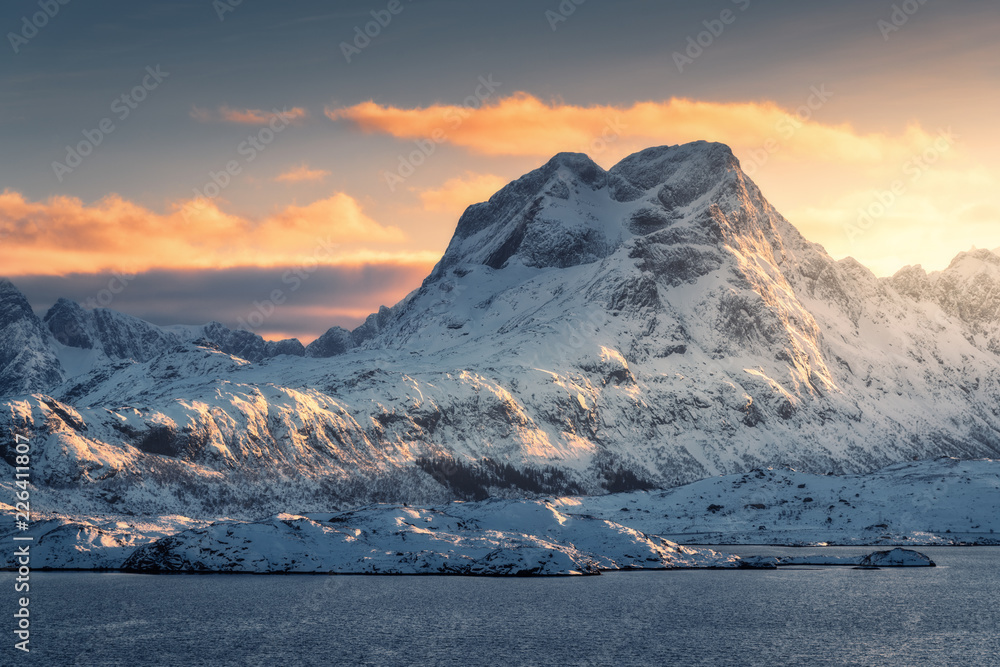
x,y
873,142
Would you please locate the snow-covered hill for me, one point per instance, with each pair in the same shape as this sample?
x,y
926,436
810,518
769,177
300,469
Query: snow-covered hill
x,y
927,503
585,331
943,501
494,537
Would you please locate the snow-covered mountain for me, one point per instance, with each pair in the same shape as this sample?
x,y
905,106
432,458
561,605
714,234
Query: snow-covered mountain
x,y
105,335
587,330
27,362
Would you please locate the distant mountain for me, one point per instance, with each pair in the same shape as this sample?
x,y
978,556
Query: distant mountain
x,y
587,330
27,362
116,335
109,335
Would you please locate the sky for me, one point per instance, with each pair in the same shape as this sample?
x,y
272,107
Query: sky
x,y
288,167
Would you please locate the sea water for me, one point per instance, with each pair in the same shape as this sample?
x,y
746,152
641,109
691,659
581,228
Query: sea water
x,y
792,616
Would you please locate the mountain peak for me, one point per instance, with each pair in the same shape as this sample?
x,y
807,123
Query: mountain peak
x,y
7,287
27,363
70,324
660,164
974,257
13,304
556,215
571,160
681,173
577,166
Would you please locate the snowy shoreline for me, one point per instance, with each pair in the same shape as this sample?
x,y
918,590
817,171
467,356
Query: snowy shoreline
x,y
942,502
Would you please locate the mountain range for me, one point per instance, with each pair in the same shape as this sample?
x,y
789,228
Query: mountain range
x,y
586,331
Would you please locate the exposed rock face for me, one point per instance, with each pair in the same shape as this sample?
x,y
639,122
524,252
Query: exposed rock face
x,y
27,360
527,219
968,291
334,342
289,346
117,335
71,325
337,340
248,345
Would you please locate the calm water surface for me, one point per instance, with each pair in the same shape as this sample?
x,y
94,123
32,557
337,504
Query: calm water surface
x,y
948,615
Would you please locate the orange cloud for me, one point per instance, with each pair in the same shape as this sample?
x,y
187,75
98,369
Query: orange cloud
x,y
458,193
63,235
521,124
227,114
302,174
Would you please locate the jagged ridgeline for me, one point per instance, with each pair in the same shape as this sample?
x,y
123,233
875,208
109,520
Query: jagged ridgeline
x,y
586,331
